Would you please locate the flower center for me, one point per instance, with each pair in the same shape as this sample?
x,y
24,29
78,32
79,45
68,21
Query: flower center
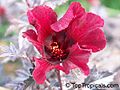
x,y
56,51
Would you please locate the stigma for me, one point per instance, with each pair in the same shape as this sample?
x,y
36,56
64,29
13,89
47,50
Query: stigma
x,y
56,51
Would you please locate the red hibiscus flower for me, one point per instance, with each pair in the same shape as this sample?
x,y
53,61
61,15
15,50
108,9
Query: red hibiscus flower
x,y
64,44
2,11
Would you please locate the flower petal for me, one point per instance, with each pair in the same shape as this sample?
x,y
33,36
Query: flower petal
x,y
79,53
39,73
75,10
94,40
83,66
82,27
93,21
41,17
79,57
32,37
68,66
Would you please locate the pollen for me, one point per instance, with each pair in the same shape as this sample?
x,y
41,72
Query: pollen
x,y
56,50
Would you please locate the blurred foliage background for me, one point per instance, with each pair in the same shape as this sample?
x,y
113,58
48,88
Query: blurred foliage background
x,y
112,23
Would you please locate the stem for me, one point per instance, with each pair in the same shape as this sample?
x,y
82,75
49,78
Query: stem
x,y
59,79
27,2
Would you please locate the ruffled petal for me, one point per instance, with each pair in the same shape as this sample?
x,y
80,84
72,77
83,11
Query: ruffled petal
x,y
79,57
32,37
75,10
83,66
39,73
41,17
68,65
79,53
82,27
94,40
92,22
